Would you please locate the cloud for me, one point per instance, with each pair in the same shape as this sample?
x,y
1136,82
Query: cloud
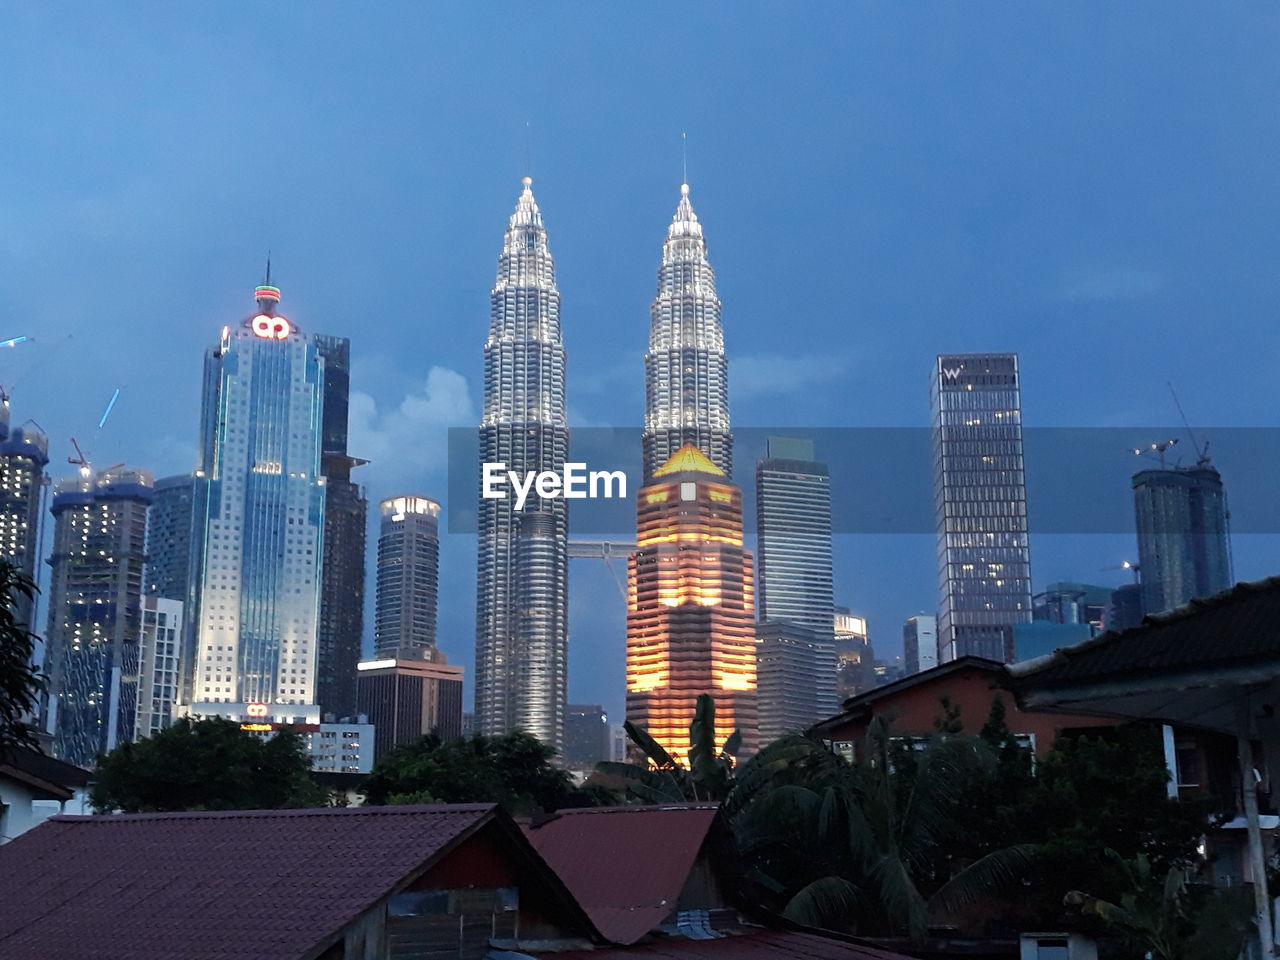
x,y
407,445
1110,283
774,374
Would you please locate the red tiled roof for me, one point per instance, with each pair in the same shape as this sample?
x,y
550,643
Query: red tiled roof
x,y
265,884
764,945
625,865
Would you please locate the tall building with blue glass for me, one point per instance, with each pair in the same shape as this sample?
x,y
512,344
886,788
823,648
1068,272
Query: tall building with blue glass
x,y
95,610
260,517
980,505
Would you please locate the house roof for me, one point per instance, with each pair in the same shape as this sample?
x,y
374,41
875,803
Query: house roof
x,y
1187,666
860,706
48,778
1237,625
625,865
213,886
759,945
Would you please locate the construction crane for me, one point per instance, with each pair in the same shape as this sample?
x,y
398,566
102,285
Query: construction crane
x,y
1202,452
1125,565
1156,450
80,460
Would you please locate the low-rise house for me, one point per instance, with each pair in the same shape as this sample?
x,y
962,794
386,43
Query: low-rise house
x,y
963,689
30,784
1209,671
661,882
320,884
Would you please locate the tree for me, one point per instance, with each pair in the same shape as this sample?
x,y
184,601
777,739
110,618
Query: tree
x,y
1166,918
663,779
1094,794
208,764
514,770
20,681
876,847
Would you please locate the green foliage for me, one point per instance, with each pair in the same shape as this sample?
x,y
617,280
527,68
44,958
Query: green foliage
x,y
1165,918
514,770
206,764
1094,794
918,832
20,681
879,847
709,775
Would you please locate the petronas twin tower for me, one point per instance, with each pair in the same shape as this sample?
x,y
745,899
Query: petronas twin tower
x,y
522,560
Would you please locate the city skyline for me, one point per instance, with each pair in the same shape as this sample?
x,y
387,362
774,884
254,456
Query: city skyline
x,y
943,215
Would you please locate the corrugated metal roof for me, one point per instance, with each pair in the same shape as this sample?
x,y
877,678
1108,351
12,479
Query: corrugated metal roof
x,y
265,884
625,865
1235,626
764,945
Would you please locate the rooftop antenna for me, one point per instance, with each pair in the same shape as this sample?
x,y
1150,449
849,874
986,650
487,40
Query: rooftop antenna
x,y
528,148
1202,452
268,280
684,156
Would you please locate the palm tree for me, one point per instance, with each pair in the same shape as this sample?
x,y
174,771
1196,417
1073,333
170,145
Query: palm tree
x,y
1165,919
870,845
663,779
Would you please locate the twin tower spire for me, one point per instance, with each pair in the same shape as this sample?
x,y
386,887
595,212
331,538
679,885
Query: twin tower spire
x,y
522,556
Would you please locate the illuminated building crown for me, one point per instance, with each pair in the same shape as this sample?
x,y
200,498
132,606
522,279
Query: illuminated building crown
x,y
688,459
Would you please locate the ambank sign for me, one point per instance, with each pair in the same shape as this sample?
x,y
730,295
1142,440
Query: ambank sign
x,y
575,482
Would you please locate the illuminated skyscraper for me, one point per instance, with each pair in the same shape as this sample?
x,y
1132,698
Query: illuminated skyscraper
x,y
980,503
260,521
408,579
95,611
855,658
686,373
690,605
1182,535
23,456
522,558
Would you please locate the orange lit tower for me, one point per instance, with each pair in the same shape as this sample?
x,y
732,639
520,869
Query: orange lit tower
x,y
690,605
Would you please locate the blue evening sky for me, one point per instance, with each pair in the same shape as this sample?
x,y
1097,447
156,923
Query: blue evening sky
x,y
1091,184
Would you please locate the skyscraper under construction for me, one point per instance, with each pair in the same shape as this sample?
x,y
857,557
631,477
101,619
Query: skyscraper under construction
x,y
686,372
522,557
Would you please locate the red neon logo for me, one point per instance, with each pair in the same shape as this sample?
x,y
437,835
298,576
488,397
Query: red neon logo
x,y
256,709
270,328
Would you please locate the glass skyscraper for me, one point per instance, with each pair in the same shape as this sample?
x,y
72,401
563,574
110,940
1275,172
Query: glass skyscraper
x,y
919,644
171,563
95,610
1182,535
686,373
341,626
980,505
797,660
522,564
260,520
408,578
